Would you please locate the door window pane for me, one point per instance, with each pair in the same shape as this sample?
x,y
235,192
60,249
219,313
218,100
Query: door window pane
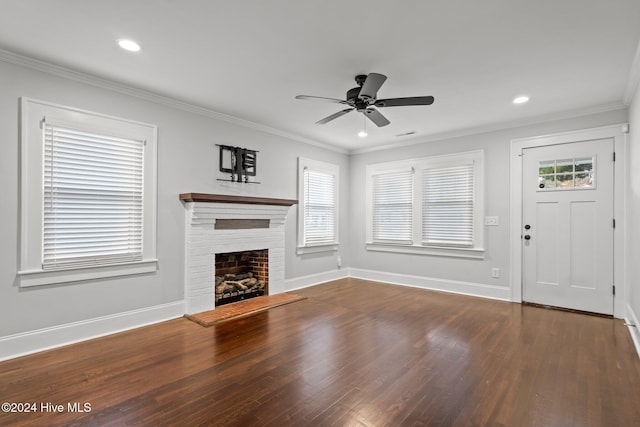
x,y
547,167
583,165
564,166
566,174
584,180
547,181
565,181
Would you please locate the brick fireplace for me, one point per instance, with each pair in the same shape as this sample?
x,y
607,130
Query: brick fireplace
x,y
222,224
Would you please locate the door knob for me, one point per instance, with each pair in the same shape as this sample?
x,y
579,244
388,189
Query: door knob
x,y
527,227
527,237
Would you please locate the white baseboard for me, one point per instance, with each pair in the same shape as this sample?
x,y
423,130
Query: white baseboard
x,y
17,345
314,279
452,286
632,319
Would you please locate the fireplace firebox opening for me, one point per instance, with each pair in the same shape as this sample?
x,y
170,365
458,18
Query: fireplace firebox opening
x,y
241,275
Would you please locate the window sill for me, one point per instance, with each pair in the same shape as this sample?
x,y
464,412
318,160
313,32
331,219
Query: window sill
x,y
301,250
472,253
41,277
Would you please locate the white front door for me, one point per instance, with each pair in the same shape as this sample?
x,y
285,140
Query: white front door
x,y
567,233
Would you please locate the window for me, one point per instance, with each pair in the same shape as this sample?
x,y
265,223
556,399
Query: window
x,y
88,195
447,206
432,205
393,206
318,206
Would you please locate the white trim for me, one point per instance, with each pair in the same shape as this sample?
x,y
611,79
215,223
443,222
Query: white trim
x,y
90,79
452,286
633,325
493,127
42,277
634,78
327,168
25,343
473,253
315,279
433,283
301,250
32,113
21,344
621,178
417,165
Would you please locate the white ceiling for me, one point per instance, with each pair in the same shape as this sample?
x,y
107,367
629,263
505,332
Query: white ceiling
x,y
249,58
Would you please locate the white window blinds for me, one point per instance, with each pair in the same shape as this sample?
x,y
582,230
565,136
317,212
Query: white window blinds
x,y
319,207
447,214
392,216
93,186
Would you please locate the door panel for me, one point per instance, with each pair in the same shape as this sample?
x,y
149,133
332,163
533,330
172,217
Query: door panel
x,y
547,243
568,206
583,249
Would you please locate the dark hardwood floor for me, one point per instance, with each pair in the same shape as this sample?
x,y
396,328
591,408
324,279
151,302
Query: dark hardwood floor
x,y
355,353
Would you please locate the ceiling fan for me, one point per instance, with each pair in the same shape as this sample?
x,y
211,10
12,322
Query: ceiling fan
x,y
363,100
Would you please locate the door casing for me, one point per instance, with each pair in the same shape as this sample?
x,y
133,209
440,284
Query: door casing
x,y
619,133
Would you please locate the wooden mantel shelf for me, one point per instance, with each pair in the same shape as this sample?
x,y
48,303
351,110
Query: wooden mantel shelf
x,y
224,198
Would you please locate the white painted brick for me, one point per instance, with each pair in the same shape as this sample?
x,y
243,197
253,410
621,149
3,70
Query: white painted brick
x,y
203,240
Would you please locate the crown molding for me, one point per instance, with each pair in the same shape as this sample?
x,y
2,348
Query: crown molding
x,y
497,127
634,78
93,80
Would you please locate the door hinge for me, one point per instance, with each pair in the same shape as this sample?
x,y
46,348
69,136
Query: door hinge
x,y
614,289
614,156
614,223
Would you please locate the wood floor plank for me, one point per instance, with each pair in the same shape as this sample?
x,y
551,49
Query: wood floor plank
x,y
354,353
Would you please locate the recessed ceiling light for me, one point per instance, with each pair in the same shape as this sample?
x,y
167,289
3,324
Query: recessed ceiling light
x,y
362,134
129,45
521,99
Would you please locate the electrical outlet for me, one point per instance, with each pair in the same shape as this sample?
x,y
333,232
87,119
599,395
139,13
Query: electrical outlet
x,y
339,261
491,220
495,272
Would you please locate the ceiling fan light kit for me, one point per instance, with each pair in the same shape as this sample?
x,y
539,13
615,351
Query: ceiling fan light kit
x,y
363,99
363,133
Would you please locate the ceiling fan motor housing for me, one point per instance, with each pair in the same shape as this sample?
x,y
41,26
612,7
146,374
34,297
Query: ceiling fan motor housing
x,y
352,94
355,101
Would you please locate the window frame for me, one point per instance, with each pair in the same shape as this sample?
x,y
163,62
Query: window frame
x,y
31,272
322,167
419,165
404,168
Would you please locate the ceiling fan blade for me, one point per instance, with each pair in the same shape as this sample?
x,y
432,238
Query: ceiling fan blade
x,y
399,102
322,98
376,117
334,116
371,85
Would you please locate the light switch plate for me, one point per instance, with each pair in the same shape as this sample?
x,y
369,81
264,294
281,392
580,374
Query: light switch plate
x,y
491,220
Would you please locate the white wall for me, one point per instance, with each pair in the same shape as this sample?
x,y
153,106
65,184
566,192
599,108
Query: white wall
x,y
187,162
633,206
456,274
